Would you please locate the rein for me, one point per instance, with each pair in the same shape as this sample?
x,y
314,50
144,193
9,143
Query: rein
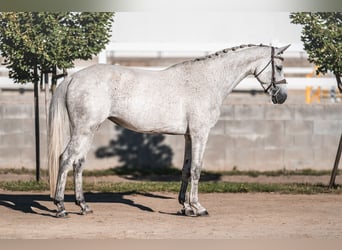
x,y
273,81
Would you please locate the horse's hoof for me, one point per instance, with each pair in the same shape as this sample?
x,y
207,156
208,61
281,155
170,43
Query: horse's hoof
x,y
203,213
62,214
198,209
86,211
188,212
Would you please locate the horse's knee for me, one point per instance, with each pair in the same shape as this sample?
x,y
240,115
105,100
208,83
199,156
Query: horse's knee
x,y
78,165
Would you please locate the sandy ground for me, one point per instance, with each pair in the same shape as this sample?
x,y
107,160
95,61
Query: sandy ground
x,y
26,215
134,215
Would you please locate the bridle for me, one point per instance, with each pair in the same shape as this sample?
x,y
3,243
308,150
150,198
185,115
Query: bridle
x,y
273,83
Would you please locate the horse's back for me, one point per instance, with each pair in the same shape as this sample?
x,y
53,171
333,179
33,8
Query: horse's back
x,y
140,100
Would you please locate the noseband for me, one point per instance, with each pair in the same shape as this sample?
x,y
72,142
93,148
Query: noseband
x,y
273,81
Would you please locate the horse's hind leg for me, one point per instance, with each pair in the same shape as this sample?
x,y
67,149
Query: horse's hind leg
x,y
80,201
73,156
64,168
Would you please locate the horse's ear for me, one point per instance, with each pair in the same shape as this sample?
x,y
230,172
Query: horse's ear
x,y
282,49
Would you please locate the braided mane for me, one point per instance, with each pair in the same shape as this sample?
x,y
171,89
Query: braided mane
x,y
221,52
224,51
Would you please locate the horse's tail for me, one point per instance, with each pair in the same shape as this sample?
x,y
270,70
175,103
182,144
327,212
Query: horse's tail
x,y
59,126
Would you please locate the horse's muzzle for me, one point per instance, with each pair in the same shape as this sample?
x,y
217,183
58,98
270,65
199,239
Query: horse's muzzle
x,y
279,95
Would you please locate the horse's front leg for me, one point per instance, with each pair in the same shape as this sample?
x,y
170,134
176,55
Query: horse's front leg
x,y
198,143
185,170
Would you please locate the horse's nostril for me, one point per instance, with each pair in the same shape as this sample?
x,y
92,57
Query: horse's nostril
x,y
279,98
283,98
274,100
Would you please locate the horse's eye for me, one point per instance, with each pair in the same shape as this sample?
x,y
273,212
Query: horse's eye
x,y
279,67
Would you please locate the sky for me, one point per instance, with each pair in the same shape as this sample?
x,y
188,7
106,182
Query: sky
x,y
205,27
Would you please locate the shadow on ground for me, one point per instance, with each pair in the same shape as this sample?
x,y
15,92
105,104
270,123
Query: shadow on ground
x,y
31,203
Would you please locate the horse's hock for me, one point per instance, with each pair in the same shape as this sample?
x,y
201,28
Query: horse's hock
x,y
247,136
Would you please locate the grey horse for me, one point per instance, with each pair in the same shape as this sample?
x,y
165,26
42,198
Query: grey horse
x,y
183,99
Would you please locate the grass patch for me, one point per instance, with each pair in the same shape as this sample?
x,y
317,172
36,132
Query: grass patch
x,y
23,171
291,188
173,186
280,172
172,171
177,172
133,187
17,171
24,186
209,181
133,171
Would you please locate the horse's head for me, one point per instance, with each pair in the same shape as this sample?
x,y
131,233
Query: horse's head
x,y
271,76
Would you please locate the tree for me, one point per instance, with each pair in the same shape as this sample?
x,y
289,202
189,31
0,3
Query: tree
x,y
38,43
50,41
322,38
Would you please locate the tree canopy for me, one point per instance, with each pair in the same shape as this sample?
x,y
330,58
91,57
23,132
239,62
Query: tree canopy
x,y
322,38
50,40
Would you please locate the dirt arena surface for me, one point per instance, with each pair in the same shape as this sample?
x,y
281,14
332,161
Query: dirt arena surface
x,y
26,215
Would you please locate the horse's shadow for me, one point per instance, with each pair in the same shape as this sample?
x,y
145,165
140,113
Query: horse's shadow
x,y
32,203
138,150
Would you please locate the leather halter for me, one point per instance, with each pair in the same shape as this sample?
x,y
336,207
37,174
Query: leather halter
x,y
273,81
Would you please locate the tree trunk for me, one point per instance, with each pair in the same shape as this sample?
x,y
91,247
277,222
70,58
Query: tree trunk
x,y
36,116
54,80
337,161
339,83
47,95
47,98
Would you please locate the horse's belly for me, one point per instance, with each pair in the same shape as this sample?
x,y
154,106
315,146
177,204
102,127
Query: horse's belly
x,y
150,126
149,117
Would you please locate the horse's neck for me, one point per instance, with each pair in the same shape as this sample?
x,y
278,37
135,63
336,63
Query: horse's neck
x,y
228,70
